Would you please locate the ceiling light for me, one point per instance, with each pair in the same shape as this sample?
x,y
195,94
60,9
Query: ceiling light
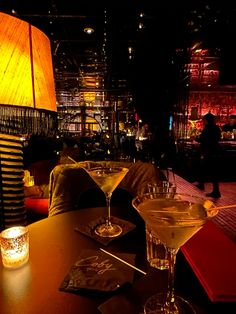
x,y
88,30
140,25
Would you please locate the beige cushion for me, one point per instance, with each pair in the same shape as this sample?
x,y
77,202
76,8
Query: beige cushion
x,y
69,181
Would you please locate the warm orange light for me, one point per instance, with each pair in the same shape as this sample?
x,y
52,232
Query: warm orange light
x,y
89,96
26,71
88,30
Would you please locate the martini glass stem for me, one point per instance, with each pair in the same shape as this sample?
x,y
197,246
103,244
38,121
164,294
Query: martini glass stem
x,y
170,305
108,201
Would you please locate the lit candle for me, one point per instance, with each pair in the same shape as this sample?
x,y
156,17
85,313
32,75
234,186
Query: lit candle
x,y
15,246
30,181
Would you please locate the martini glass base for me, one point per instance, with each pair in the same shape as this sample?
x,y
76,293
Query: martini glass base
x,y
108,231
155,305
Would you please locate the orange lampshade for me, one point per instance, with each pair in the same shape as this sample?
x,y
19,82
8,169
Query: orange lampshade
x,y
26,71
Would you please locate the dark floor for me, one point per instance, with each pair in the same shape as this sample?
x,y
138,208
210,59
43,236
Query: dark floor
x,y
226,218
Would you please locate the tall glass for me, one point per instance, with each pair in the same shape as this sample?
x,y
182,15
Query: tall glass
x,y
162,187
175,220
107,178
167,186
156,251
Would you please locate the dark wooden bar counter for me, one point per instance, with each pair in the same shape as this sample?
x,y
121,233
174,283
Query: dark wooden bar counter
x,y
188,155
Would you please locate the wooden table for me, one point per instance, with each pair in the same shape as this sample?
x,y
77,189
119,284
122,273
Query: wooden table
x,y
54,248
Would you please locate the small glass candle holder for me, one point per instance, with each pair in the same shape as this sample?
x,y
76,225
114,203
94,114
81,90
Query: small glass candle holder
x,y
14,246
29,181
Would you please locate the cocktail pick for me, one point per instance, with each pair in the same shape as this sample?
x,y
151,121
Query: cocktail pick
x,y
210,205
72,159
221,207
124,262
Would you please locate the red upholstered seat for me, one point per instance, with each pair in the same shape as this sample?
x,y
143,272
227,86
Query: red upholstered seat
x,y
37,206
36,200
212,256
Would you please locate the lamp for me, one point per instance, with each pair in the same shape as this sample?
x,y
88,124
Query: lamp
x,y
26,73
12,209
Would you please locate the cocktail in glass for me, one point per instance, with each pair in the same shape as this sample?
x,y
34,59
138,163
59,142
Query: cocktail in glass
x,y
107,178
175,220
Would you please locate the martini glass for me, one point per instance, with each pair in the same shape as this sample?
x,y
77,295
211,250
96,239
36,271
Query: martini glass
x,y
107,178
175,220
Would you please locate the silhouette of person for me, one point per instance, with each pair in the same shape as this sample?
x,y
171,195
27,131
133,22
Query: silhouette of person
x,y
209,152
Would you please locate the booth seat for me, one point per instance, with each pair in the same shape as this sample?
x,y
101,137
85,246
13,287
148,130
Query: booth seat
x,y
41,170
37,205
37,208
37,197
